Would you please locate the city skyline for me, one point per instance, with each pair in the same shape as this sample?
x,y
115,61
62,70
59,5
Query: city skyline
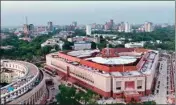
x,y
86,12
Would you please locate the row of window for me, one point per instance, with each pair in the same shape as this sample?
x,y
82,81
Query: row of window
x,y
78,75
14,66
52,63
139,85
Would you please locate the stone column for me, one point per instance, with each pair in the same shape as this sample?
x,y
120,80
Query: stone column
x,y
16,93
19,92
2,100
7,98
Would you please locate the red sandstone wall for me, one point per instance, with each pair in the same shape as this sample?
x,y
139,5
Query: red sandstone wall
x,y
95,65
69,57
120,68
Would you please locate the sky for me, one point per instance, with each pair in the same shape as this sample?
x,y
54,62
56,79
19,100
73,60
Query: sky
x,y
86,12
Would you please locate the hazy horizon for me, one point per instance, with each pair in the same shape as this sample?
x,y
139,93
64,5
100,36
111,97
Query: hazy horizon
x,y
86,12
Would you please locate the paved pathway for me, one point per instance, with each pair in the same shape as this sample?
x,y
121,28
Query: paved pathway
x,y
161,85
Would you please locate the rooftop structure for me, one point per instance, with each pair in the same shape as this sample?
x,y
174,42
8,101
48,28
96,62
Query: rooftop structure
x,y
113,61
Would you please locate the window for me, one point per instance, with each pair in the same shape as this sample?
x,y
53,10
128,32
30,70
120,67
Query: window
x,y
139,87
118,88
139,84
118,85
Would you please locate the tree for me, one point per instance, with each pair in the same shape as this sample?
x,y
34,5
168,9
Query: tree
x,y
93,45
70,96
149,103
67,96
67,45
88,97
46,50
79,32
101,39
56,47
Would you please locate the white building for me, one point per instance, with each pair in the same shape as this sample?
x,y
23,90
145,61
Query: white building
x,y
6,47
105,35
82,45
116,42
88,30
148,27
158,41
134,45
121,27
84,38
52,42
127,27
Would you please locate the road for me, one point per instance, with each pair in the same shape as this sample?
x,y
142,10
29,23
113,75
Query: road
x,y
53,90
160,96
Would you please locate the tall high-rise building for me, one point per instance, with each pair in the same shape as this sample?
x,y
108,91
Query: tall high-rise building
x,y
148,27
127,27
50,26
111,24
106,26
88,30
122,27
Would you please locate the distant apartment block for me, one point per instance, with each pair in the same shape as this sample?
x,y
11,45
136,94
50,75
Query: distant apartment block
x,y
134,45
82,45
148,27
88,30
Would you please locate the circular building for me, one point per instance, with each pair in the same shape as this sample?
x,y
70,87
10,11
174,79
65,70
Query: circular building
x,y
26,83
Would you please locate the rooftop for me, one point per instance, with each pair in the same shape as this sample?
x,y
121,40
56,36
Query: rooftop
x,y
114,60
82,53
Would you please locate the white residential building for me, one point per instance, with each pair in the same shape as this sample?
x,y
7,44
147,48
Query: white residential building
x,y
148,27
116,42
52,42
134,45
82,45
88,30
6,47
127,27
158,41
84,38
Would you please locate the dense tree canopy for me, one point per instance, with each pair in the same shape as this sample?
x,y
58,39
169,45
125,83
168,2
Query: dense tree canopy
x,y
24,50
93,45
79,32
67,45
166,35
70,96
